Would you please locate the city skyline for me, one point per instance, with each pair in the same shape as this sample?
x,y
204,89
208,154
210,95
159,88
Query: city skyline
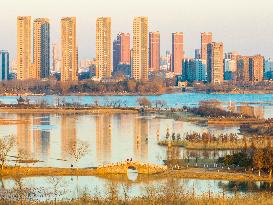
x,y
235,31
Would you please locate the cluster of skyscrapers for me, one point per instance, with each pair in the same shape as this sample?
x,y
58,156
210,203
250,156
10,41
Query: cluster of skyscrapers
x,y
210,64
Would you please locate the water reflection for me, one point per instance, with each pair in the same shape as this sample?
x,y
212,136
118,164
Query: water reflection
x,y
104,138
68,133
45,185
141,139
41,136
24,134
112,137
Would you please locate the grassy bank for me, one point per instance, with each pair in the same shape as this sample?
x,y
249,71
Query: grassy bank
x,y
191,173
153,196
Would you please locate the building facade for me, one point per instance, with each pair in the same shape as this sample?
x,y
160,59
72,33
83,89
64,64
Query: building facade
x,y
256,68
139,65
121,50
194,70
215,67
177,52
243,69
41,49
23,47
154,51
4,65
230,68
206,38
69,67
103,48
268,69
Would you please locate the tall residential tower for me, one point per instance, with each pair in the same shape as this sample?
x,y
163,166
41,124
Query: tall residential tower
x,y
23,47
206,38
4,65
140,48
69,68
103,48
177,52
215,69
41,49
154,51
121,50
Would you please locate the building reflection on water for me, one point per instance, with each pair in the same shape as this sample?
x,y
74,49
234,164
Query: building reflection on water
x,y
141,133
41,136
68,134
32,138
24,134
103,138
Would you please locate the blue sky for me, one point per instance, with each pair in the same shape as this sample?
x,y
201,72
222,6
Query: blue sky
x,y
245,26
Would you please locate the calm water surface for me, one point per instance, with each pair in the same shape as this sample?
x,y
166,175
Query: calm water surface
x,y
116,137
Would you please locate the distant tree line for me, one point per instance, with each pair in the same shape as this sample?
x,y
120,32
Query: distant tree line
x,y
52,86
233,86
214,112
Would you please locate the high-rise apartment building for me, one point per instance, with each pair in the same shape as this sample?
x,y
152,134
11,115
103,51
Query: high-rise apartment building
x,y
215,67
23,47
69,67
243,69
206,38
121,50
41,49
194,70
268,69
4,65
177,52
140,48
103,48
230,68
256,68
154,51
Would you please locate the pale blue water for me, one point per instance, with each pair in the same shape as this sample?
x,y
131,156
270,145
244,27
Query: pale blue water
x,y
172,100
71,187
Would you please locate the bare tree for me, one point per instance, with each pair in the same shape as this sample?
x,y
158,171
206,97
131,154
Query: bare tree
x,y
23,156
78,150
58,185
6,145
144,102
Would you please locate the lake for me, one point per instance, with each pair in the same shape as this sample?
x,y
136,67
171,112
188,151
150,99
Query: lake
x,y
117,137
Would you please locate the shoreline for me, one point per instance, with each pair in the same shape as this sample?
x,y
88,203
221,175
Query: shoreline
x,y
60,110
174,91
190,173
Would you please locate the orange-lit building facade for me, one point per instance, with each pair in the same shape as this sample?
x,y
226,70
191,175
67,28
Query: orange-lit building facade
x,y
206,38
154,51
215,64
177,52
256,68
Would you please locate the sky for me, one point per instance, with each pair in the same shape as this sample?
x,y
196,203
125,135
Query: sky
x,y
245,26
